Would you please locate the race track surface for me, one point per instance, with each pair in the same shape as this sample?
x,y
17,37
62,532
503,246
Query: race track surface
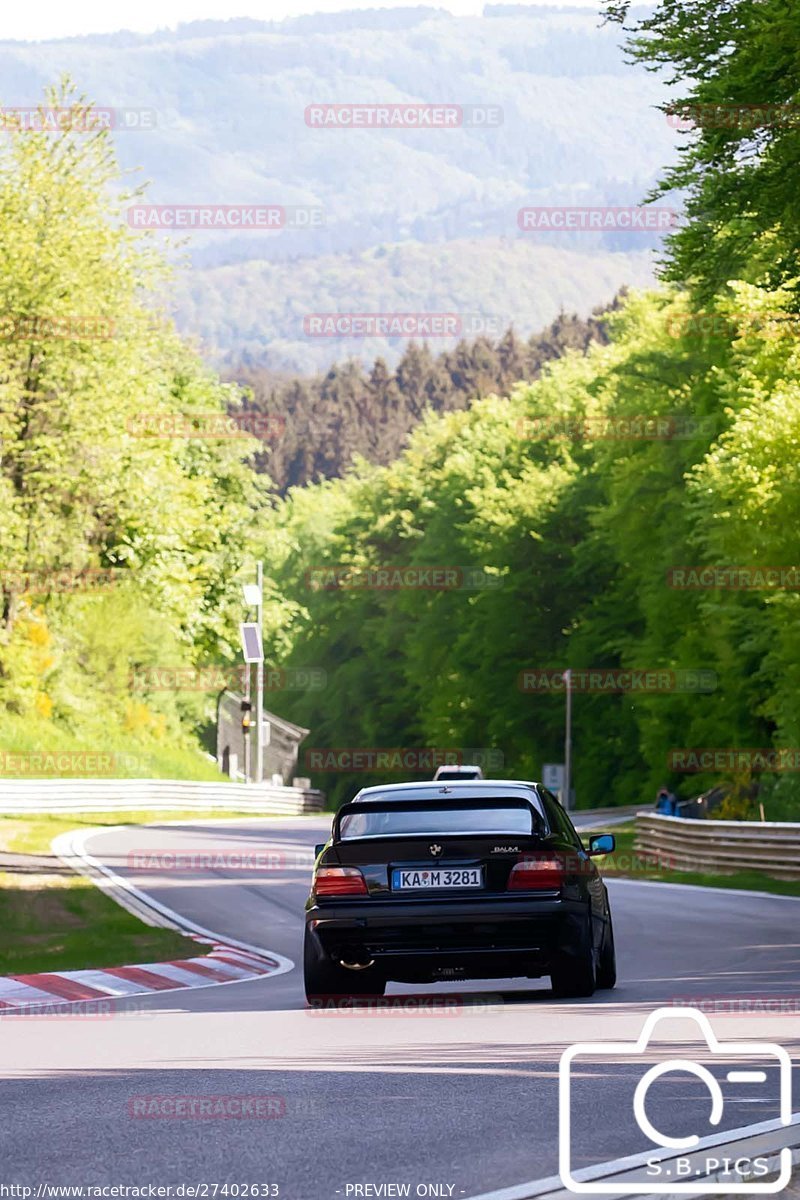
x,y
463,1095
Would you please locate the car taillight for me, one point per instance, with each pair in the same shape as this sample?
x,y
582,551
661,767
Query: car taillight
x,y
536,874
339,881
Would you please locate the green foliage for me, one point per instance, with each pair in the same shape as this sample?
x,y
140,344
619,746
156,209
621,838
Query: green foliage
x,y
585,531
736,65
578,525
83,359
556,493
134,755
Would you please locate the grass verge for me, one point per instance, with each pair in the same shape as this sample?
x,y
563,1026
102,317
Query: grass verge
x,y
628,863
61,922
54,920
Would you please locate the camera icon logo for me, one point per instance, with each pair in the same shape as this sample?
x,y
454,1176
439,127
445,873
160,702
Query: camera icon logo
x,y
688,1164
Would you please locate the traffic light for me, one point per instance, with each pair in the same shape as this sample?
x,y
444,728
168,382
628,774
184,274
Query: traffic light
x,y
246,708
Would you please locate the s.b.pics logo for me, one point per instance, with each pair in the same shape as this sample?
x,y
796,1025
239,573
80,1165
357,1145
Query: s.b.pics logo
x,y
687,1106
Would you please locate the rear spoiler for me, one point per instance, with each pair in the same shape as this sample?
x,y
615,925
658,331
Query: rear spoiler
x,y
538,822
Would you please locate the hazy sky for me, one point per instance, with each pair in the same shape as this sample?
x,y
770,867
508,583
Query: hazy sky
x,y
54,18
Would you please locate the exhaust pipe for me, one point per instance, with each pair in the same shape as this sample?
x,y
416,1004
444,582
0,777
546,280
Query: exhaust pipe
x,y
356,966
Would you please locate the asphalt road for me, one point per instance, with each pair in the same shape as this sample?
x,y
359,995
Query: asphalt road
x,y
463,1096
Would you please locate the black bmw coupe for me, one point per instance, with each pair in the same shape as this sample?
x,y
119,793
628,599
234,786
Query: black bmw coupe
x,y
427,882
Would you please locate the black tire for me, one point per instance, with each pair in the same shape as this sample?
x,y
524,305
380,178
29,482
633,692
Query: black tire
x,y
573,975
607,966
326,980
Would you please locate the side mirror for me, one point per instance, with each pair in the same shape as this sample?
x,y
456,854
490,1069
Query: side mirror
x,y
601,843
319,848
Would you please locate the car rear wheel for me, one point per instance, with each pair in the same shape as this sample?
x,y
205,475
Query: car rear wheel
x,y
607,966
326,980
573,975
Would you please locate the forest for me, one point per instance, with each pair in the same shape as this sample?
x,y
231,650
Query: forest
x,y
617,496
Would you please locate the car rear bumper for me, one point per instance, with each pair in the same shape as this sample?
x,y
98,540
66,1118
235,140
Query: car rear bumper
x,y
483,938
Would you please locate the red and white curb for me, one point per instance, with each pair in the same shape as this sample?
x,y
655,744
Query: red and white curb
x,y
224,964
230,961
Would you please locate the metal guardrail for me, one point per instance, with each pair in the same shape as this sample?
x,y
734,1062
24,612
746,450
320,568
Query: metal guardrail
x,y
616,813
720,846
102,795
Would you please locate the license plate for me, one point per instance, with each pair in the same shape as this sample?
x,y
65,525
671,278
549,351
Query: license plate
x,y
406,879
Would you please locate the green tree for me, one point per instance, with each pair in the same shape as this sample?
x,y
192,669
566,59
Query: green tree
x,y
86,364
736,68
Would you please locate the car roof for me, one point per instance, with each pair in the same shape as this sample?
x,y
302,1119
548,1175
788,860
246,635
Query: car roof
x,y
429,789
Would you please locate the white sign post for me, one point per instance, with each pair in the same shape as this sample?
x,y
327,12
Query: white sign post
x,y
553,776
253,650
260,678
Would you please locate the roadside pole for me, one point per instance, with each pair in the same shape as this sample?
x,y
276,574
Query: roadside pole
x,y
247,734
568,742
260,678
253,652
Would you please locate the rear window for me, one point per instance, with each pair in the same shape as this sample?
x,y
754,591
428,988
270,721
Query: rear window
x,y
437,822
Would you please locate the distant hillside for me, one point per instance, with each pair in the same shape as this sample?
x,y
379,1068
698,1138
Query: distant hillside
x,y
254,312
409,216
